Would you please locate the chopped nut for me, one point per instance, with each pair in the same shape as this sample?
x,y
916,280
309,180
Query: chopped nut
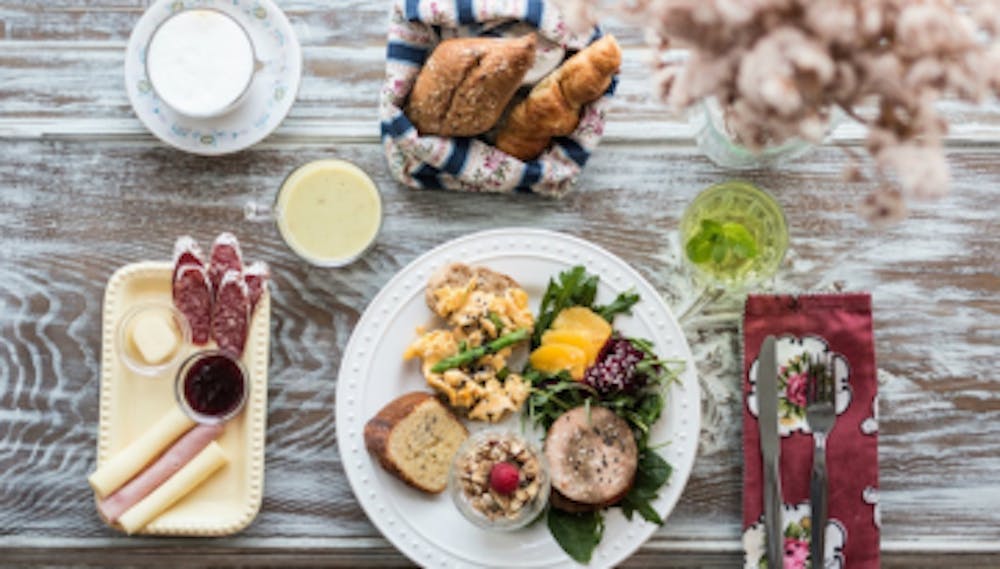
x,y
474,472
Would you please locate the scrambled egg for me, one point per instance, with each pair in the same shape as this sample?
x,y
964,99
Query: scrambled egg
x,y
476,316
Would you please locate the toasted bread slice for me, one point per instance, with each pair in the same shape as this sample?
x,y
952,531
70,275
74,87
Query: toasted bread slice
x,y
415,437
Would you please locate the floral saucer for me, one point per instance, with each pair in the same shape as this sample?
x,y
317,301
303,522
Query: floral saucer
x,y
267,102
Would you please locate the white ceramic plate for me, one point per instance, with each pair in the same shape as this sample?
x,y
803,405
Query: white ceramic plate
x,y
429,529
267,102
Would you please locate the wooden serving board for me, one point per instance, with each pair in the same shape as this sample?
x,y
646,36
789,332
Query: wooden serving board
x,y
130,403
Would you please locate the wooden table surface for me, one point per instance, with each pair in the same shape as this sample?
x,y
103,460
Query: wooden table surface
x,y
85,189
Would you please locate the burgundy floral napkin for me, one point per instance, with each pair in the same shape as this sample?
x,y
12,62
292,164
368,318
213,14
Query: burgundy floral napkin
x,y
840,324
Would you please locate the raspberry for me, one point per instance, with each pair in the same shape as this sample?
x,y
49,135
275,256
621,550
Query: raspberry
x,y
504,478
615,369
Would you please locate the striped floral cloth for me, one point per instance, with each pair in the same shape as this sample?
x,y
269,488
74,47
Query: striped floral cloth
x,y
471,164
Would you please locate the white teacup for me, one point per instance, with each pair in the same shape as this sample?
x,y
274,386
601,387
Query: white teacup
x,y
201,62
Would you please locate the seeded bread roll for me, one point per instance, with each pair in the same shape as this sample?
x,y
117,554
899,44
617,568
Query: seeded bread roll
x,y
415,437
466,83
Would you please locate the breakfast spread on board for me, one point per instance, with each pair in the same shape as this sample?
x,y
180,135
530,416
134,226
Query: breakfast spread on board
x,y
205,317
594,393
563,371
469,87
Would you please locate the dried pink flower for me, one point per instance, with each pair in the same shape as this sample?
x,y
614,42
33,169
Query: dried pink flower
x,y
883,207
780,67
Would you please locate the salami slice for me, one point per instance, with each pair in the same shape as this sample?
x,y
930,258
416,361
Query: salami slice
x,y
256,275
193,297
226,256
186,252
231,313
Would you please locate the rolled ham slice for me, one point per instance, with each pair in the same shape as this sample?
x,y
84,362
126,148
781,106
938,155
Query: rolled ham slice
x,y
175,457
129,461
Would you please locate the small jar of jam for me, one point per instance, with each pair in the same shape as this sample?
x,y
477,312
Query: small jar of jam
x,y
212,386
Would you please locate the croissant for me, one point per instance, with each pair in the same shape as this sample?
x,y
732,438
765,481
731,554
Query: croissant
x,y
553,106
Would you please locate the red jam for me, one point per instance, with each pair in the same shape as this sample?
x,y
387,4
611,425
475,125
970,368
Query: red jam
x,y
214,386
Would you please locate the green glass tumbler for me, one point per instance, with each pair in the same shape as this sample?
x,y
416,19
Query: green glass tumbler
x,y
734,236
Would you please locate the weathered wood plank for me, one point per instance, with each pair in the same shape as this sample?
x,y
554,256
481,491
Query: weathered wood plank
x,y
84,189
54,84
351,556
359,22
349,22
74,210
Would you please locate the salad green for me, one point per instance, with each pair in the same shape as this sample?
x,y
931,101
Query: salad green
x,y
554,394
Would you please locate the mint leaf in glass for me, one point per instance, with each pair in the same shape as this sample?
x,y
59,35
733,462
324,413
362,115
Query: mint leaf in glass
x,y
721,242
699,249
741,243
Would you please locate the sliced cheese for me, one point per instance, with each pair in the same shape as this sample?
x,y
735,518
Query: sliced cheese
x,y
134,457
154,337
176,487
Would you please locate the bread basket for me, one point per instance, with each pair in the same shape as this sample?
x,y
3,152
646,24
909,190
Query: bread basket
x,y
472,164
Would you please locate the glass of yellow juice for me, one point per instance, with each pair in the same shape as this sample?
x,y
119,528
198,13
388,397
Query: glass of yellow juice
x,y
734,235
328,212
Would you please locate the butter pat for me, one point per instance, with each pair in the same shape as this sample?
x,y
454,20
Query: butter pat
x,y
134,457
176,487
154,337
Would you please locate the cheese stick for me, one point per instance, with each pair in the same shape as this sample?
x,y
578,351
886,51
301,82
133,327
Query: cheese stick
x,y
134,457
179,454
176,487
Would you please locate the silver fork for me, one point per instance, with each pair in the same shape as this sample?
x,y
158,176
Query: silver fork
x,y
820,415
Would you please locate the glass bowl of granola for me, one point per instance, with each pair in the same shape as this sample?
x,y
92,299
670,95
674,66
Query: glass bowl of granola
x,y
499,480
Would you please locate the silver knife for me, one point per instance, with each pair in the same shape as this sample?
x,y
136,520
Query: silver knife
x,y
770,450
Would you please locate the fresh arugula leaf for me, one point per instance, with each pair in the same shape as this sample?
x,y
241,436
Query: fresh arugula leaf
x,y
587,292
577,534
573,287
646,414
650,475
653,471
631,505
622,304
554,394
